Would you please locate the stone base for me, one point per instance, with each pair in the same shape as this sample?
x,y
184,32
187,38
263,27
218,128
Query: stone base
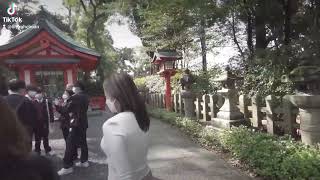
x,y
226,124
230,115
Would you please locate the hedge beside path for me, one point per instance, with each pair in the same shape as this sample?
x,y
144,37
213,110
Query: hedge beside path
x,y
268,156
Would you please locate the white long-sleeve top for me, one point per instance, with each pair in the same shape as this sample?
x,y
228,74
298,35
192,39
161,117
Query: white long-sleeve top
x,y
126,147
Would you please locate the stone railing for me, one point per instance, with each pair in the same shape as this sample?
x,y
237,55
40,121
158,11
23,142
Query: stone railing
x,y
274,115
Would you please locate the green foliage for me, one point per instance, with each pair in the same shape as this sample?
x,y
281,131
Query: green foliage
x,y
140,83
204,81
269,156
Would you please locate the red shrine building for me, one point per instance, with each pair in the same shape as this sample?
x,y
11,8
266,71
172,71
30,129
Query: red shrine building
x,y
47,57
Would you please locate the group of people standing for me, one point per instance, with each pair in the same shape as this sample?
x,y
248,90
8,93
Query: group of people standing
x,y
34,111
125,135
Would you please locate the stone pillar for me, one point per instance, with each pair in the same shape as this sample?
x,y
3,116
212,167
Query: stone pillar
x,y
188,102
213,106
175,102
244,103
288,116
229,114
197,104
309,110
205,108
270,114
256,112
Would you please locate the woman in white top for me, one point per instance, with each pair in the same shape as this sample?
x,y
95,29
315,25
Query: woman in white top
x,y
125,135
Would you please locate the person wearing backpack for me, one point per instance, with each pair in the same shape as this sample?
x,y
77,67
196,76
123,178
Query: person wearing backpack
x,y
22,106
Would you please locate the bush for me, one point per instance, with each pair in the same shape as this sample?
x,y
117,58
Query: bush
x,y
140,83
269,156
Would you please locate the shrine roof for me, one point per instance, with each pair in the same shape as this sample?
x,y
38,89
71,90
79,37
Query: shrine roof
x,y
165,54
53,30
46,61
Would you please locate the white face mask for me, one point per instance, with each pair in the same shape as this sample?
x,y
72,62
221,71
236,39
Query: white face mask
x,y
32,94
39,97
111,105
76,90
64,96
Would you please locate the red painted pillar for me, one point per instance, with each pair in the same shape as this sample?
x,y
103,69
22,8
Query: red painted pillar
x,y
75,74
33,77
168,91
65,77
21,74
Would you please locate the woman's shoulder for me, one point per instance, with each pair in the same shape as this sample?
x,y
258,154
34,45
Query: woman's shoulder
x,y
118,123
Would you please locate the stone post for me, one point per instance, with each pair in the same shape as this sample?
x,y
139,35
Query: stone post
x,y
175,103
244,103
205,107
270,114
256,112
229,114
198,108
213,106
188,102
289,117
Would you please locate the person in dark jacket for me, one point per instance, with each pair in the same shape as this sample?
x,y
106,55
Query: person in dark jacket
x,y
77,107
16,161
65,118
45,115
24,108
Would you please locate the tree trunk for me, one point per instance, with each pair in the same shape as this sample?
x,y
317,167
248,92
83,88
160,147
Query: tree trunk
x,y
317,14
261,42
203,45
287,22
250,32
234,35
69,18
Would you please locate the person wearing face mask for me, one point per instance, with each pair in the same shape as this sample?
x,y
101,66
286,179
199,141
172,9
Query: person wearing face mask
x,y
45,114
77,107
31,92
125,135
22,106
64,118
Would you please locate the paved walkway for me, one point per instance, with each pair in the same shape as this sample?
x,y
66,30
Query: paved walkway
x,y
172,156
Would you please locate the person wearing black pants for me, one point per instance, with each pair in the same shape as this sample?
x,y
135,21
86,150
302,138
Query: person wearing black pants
x,y
77,107
45,114
65,118
77,138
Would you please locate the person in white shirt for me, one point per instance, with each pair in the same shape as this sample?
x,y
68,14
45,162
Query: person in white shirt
x,y
126,135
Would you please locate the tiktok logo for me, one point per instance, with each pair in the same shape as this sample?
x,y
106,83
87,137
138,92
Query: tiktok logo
x,y
12,9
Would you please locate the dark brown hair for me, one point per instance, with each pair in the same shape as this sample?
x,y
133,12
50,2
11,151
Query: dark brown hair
x,y
13,137
121,87
16,85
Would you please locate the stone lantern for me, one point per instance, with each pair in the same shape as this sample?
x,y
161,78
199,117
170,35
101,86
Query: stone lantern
x,y
229,114
306,80
187,95
164,61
